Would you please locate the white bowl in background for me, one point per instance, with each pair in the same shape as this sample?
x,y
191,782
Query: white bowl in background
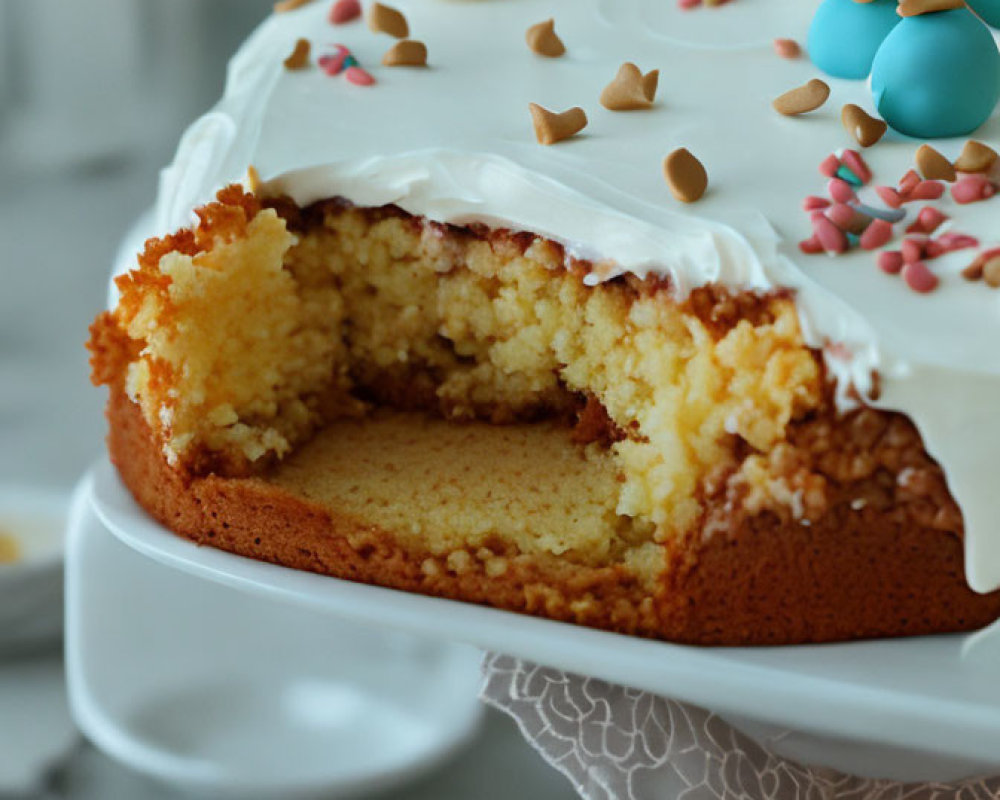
x,y
31,597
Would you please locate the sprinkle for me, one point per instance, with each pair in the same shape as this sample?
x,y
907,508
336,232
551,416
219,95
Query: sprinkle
x,y
913,250
847,218
814,203
926,190
289,5
336,63
802,99
933,165
407,53
551,127
866,129
847,175
385,19
787,48
976,157
299,58
892,215
909,182
919,278
841,191
913,8
253,181
343,11
952,241
975,270
811,246
928,220
972,189
685,175
830,236
890,262
829,166
10,551
358,76
543,40
991,272
889,196
853,160
630,90
877,234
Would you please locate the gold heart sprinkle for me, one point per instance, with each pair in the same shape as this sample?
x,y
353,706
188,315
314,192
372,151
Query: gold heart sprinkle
x,y
299,59
976,157
542,39
865,128
289,5
407,53
384,19
914,8
934,166
630,90
551,127
802,99
685,175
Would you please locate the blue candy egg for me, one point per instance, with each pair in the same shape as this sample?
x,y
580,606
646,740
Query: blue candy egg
x,y
988,10
845,35
937,75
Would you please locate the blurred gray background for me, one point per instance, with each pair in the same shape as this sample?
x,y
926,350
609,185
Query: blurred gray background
x,y
94,95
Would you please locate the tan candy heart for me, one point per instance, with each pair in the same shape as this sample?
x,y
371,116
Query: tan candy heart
x,y
934,166
551,127
407,53
630,90
542,39
865,128
685,175
383,19
802,99
299,58
289,5
914,8
976,157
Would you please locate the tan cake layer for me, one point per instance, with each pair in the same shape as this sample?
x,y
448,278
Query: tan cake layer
x,y
855,573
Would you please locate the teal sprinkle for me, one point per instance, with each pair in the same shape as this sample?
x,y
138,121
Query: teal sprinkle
x,y
853,239
350,61
845,174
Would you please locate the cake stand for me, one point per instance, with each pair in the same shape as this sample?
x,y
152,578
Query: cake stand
x,y
916,709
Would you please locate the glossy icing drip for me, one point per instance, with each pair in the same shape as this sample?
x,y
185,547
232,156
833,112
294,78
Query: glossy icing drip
x,y
454,142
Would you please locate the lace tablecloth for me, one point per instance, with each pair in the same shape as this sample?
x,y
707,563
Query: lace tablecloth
x,y
615,743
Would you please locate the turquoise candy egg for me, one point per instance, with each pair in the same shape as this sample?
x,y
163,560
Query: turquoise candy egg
x,y
845,35
937,75
988,10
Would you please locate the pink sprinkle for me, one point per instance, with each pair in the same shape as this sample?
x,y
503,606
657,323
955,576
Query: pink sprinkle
x,y
928,220
814,203
926,190
832,238
334,64
919,278
829,166
841,215
856,164
787,48
358,76
909,182
956,241
972,189
889,196
934,249
841,191
811,246
686,4
344,11
876,235
913,250
890,262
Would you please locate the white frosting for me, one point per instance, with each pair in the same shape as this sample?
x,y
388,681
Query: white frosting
x,y
454,142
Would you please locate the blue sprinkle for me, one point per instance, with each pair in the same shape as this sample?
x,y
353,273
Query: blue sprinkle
x,y
845,174
892,215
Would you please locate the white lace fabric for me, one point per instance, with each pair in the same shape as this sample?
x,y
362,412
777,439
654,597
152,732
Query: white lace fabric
x,y
616,743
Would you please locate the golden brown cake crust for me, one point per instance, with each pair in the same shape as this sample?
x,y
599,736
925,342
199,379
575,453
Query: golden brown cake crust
x,y
852,574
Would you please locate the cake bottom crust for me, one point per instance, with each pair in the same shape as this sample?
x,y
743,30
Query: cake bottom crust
x,y
851,575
